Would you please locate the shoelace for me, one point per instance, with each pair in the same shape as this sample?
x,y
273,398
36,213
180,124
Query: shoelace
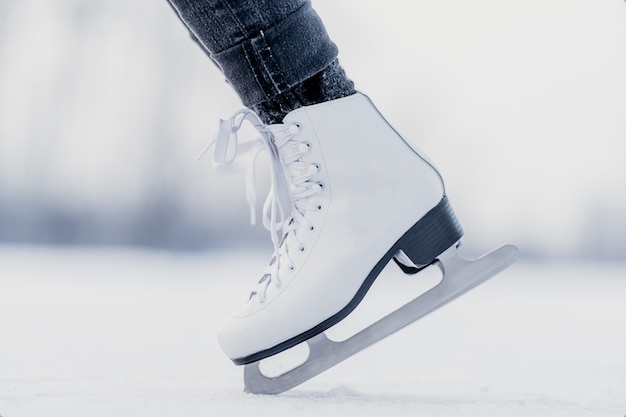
x,y
228,147
286,201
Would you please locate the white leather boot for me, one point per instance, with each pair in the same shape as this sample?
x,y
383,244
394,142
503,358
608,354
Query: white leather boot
x,y
348,195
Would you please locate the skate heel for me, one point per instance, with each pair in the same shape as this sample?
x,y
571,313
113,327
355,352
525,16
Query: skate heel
x,y
432,234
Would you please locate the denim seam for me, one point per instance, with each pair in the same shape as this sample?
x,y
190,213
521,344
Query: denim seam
x,y
272,69
235,19
254,73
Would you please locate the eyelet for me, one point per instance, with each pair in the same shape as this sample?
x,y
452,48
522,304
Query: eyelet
x,y
301,249
304,147
319,207
312,228
291,268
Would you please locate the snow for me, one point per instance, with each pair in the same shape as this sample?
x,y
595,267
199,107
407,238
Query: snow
x,y
103,332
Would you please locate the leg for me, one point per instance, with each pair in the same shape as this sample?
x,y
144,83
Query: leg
x,y
276,54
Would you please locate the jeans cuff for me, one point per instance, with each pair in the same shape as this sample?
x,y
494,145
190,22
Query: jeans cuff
x,y
278,58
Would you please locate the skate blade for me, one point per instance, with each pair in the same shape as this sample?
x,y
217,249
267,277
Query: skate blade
x,y
459,276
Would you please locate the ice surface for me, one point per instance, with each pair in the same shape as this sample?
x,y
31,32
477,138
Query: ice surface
x,y
131,333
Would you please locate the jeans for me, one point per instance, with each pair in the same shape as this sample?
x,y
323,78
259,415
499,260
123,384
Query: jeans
x,y
263,47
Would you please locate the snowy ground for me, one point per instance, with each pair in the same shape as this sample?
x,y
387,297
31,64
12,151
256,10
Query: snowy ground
x,y
123,333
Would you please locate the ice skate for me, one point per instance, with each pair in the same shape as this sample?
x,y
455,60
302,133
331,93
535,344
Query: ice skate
x,y
348,195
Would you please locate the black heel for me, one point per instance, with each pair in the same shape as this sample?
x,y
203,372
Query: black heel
x,y
430,236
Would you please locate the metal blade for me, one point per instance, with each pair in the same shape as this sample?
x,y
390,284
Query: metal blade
x,y
459,276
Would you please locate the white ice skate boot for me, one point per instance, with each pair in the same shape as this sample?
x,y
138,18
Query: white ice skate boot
x,y
348,194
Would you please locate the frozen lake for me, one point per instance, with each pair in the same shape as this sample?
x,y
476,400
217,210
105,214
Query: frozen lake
x,y
132,333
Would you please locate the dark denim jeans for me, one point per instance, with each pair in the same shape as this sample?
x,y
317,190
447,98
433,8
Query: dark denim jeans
x,y
263,47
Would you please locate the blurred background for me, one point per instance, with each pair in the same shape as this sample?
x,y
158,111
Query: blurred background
x,y
104,107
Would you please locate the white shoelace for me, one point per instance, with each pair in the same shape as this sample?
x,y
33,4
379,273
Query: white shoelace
x,y
287,200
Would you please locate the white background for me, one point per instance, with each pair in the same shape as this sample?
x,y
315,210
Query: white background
x,y
104,107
